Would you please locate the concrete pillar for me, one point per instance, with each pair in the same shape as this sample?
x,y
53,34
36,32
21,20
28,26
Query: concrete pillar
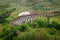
x,y
16,21
34,17
19,20
39,15
13,22
45,15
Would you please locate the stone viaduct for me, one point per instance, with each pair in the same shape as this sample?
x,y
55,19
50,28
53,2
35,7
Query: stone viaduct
x,y
29,18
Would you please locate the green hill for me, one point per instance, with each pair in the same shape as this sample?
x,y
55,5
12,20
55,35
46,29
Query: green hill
x,y
28,5
39,29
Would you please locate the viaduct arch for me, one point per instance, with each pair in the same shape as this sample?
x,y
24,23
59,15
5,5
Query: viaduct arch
x,y
29,18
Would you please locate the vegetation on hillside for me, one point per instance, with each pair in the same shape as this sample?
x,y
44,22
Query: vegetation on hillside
x,y
39,29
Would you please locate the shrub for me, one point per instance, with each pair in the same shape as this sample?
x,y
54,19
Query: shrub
x,y
23,27
37,34
55,25
52,31
8,32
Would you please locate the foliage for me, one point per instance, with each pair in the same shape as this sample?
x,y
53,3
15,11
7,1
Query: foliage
x,y
37,34
52,31
3,7
8,32
44,24
37,30
40,30
5,15
55,25
23,27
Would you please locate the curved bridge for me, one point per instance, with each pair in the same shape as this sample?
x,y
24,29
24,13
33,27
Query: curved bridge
x,y
29,18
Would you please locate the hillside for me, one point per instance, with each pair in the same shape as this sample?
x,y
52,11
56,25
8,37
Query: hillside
x,y
43,28
34,6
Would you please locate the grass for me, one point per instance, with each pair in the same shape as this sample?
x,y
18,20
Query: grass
x,y
56,19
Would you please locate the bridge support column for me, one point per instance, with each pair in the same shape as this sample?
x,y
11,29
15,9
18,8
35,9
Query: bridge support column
x,y
48,19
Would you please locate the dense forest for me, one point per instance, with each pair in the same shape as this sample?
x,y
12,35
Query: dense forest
x,y
39,29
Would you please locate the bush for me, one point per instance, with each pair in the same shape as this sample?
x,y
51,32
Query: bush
x,y
37,34
55,25
52,31
23,27
39,24
8,32
41,31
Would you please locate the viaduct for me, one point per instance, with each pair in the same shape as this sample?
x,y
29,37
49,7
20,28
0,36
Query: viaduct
x,y
29,18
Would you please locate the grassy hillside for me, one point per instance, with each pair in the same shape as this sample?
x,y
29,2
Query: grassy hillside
x,y
39,29
28,5
34,6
